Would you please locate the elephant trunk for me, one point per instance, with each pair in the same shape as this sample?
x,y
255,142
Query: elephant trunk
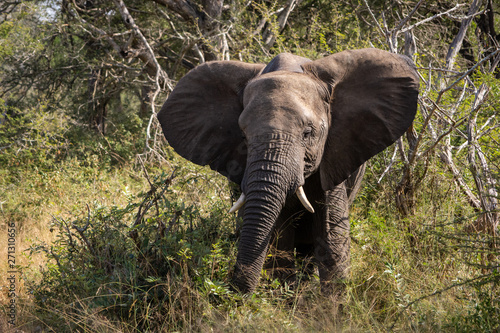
x,y
264,200
270,178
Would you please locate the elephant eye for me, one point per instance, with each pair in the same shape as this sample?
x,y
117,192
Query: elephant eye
x,y
307,132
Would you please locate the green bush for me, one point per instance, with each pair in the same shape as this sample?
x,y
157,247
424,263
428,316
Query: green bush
x,y
105,263
32,137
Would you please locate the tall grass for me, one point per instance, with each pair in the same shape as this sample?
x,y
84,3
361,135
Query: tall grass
x,y
126,247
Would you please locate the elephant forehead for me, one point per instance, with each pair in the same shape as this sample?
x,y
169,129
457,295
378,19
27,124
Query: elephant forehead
x,y
281,83
283,92
283,103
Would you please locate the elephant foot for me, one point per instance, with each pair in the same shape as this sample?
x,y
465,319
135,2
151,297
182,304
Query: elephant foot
x,y
335,291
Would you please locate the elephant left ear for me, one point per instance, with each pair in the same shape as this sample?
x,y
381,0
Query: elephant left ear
x,y
200,117
373,102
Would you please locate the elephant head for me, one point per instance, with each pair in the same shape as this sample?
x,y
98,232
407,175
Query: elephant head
x,y
269,128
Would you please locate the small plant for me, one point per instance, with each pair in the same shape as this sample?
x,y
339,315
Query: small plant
x,y
483,309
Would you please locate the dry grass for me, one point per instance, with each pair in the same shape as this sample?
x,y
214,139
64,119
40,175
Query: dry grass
x,y
36,198
391,266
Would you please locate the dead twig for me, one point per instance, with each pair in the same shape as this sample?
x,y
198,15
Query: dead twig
x,y
151,198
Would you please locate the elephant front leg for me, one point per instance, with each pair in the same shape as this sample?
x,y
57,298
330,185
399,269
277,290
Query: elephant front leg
x,y
332,243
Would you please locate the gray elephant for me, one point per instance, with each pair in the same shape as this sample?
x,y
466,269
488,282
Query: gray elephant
x,y
295,136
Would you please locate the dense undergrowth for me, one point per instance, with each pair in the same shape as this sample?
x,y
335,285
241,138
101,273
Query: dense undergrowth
x,y
113,237
113,243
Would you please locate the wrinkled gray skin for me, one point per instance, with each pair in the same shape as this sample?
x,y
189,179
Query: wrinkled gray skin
x,y
293,122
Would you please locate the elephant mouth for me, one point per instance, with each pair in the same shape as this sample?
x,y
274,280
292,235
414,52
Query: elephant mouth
x,y
274,148
300,194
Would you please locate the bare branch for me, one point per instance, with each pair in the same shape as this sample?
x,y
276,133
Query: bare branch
x,y
182,8
408,17
442,136
382,32
456,45
268,35
161,77
466,74
389,166
447,159
148,57
102,34
457,6
8,7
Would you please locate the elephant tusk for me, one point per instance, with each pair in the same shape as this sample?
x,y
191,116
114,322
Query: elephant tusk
x,y
303,199
238,204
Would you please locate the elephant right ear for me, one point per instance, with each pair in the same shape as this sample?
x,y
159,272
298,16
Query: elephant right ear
x,y
200,117
373,102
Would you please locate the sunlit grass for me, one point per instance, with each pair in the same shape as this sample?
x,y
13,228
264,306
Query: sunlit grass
x,y
32,199
182,282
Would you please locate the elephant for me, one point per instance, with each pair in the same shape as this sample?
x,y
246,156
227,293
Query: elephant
x,y
294,135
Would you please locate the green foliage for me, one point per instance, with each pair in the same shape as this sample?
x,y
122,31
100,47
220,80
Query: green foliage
x,y
333,27
483,310
17,38
171,271
32,137
71,131
95,265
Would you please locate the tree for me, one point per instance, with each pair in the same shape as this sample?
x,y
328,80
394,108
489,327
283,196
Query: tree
x,y
99,51
458,107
